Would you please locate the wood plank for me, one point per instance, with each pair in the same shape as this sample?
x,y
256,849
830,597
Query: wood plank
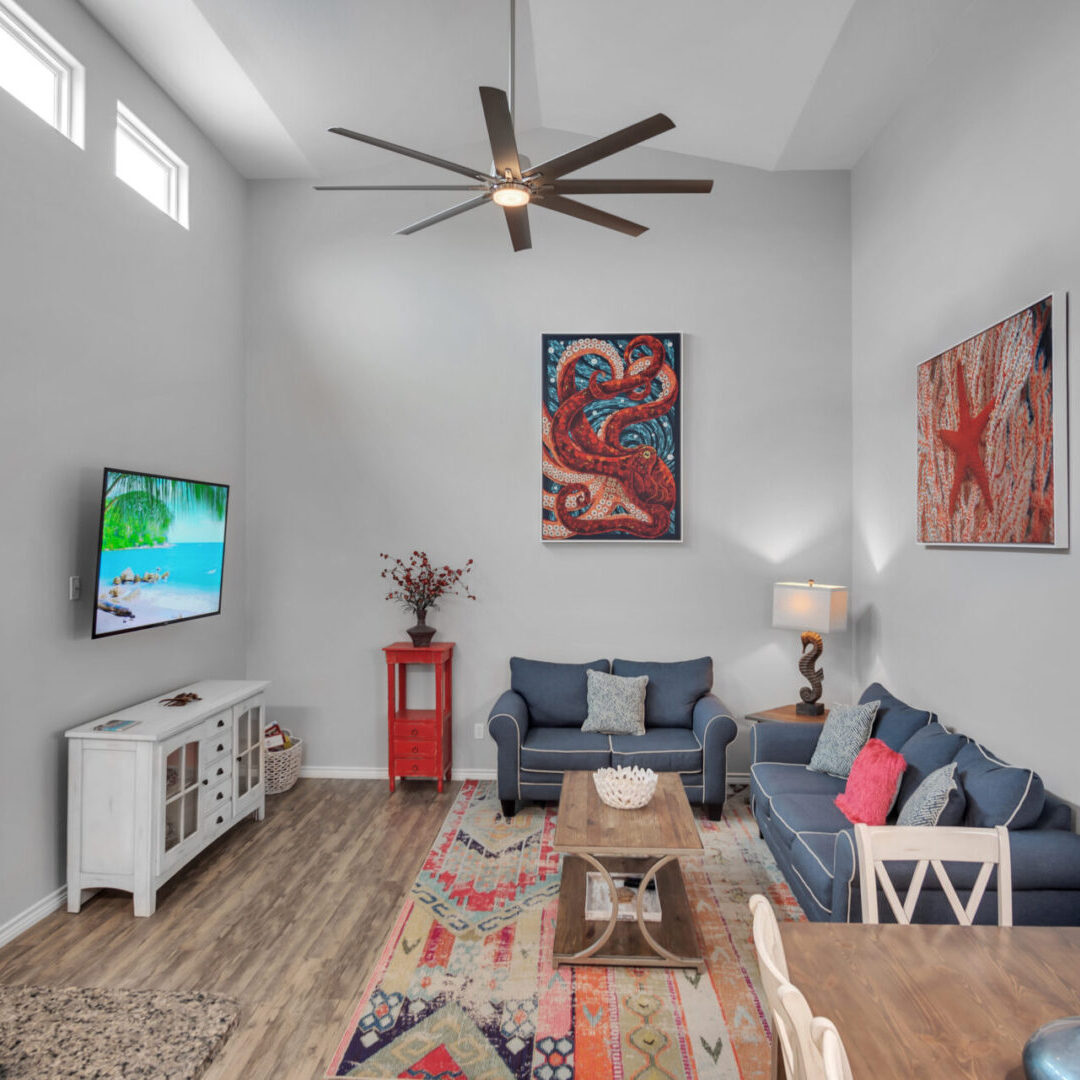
x,y
929,1002
288,916
586,824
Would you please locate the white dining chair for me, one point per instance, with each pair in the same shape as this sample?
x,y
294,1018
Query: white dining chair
x,y
830,1048
932,847
774,970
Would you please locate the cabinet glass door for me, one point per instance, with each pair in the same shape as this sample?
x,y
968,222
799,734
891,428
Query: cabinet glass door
x,y
181,793
249,748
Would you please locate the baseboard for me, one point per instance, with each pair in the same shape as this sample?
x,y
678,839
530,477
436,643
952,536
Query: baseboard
x,y
370,772
33,914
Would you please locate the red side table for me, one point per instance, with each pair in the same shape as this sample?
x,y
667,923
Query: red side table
x,y
419,740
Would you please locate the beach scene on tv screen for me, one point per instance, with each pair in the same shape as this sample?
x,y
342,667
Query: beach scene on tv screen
x,y
162,549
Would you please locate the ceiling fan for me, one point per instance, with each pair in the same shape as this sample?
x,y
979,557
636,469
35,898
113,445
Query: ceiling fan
x,y
512,183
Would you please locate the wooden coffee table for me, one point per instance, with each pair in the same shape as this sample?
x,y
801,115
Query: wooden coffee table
x,y
643,843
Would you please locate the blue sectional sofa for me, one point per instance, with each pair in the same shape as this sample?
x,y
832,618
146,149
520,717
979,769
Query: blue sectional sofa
x,y
814,843
536,725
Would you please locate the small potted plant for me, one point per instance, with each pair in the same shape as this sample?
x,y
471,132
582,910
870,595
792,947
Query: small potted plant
x,y
418,585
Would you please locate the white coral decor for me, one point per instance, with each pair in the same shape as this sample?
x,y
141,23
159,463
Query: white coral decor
x,y
625,787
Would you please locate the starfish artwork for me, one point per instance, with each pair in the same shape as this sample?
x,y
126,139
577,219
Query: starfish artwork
x,y
992,423
964,443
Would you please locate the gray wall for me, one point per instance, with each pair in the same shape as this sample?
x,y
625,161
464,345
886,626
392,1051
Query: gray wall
x,y
963,211
122,345
393,404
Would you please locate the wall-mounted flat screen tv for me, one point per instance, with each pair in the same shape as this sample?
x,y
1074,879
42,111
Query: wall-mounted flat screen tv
x,y
161,551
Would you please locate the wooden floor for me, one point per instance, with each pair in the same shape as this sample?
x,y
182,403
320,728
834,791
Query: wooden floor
x,y
287,916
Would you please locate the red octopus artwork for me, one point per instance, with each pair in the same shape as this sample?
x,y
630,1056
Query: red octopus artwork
x,y
610,437
989,465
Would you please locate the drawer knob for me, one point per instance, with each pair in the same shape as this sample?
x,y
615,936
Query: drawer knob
x,y
415,731
221,795
219,820
221,771
205,782
415,749
221,723
220,747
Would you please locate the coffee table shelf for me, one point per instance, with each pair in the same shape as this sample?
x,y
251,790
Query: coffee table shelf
x,y
639,843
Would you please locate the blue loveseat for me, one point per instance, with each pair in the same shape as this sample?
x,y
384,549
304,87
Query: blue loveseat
x,y
814,843
536,725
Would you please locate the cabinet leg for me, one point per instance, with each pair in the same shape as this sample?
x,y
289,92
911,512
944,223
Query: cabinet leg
x,y
74,900
258,815
145,902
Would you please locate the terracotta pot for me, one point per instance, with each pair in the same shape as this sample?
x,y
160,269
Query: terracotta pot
x,y
421,634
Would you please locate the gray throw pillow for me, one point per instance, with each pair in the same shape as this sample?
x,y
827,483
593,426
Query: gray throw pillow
x,y
846,730
938,800
616,704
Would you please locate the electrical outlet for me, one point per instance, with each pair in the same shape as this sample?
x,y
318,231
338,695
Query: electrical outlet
x,y
74,588
478,730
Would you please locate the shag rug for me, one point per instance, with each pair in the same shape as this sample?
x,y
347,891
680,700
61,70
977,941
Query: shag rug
x,y
465,989
100,1034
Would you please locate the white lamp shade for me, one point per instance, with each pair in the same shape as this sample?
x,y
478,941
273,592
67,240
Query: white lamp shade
x,y
802,605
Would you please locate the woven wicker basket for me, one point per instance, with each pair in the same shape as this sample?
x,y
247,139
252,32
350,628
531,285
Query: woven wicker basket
x,y
283,766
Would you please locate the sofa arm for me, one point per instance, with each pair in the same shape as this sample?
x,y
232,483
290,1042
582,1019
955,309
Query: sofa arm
x,y
508,723
777,740
714,727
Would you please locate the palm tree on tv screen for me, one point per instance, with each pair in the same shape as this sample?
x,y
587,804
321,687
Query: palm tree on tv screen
x,y
139,509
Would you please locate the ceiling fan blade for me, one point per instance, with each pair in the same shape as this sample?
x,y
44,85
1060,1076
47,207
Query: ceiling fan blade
x,y
416,226
500,131
401,187
418,154
602,148
632,187
591,214
517,221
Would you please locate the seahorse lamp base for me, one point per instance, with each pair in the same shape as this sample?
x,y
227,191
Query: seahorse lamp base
x,y
813,708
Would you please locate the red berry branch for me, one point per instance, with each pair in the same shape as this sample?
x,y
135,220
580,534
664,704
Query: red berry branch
x,y
418,584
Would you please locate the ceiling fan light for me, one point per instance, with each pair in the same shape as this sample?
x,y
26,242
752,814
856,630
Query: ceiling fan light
x,y
511,193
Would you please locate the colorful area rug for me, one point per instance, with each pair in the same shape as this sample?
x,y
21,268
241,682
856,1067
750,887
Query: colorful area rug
x,y
97,1034
465,990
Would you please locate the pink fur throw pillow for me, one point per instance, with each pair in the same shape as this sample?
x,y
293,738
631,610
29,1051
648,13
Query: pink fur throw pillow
x,y
872,784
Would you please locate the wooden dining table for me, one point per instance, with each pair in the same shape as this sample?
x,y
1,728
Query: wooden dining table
x,y
935,1002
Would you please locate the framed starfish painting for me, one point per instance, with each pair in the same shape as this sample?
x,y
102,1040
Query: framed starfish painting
x,y
993,435
611,437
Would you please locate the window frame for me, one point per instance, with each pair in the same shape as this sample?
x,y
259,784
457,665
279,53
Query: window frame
x,y
69,105
155,147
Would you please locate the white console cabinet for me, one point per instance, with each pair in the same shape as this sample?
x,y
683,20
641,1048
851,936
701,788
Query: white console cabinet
x,y
146,799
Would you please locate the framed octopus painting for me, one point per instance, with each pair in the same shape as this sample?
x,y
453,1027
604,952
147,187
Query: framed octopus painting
x,y
611,437
993,435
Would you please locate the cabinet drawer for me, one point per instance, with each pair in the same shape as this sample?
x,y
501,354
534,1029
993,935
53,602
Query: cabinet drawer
x,y
217,796
215,772
416,729
218,818
217,746
219,722
416,748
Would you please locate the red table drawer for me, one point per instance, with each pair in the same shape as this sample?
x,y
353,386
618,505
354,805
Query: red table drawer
x,y
416,729
416,748
417,766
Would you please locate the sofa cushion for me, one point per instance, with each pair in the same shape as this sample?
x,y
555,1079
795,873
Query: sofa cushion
x,y
661,749
555,693
673,688
812,857
872,784
805,813
616,703
938,800
847,727
771,778
896,722
552,749
997,793
927,750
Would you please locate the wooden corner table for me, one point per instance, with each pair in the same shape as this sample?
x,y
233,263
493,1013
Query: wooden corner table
x,y
419,741
787,714
645,844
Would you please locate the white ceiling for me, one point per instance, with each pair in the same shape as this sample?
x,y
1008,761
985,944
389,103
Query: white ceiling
x,y
791,84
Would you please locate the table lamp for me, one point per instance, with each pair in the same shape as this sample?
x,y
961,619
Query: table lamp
x,y
816,610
